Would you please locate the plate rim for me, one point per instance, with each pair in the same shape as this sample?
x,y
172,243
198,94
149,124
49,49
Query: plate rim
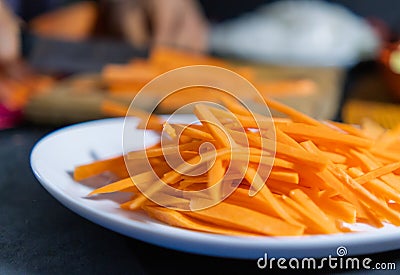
x,y
207,243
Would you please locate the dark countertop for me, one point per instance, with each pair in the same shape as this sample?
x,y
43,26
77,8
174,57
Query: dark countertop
x,y
40,236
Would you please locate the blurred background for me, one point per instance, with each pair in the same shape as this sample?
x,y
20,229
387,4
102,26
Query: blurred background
x,y
63,61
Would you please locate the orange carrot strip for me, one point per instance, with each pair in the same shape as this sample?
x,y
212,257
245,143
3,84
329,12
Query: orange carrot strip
x,y
336,184
193,132
370,164
387,138
379,188
334,157
257,203
285,139
226,140
111,108
338,209
214,125
241,121
216,176
282,150
322,134
234,106
241,218
284,188
378,172
115,165
283,163
312,223
252,176
114,187
367,197
165,150
313,212
385,154
284,175
179,219
292,113
350,129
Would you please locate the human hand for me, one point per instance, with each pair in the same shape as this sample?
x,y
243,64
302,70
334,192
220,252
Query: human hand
x,y
9,35
178,23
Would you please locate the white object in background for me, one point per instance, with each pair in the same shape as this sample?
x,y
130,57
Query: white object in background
x,y
303,32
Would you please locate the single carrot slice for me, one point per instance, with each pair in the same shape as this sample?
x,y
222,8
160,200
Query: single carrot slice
x,y
115,165
284,175
164,150
114,187
350,129
292,113
285,139
241,218
323,134
180,219
215,179
193,132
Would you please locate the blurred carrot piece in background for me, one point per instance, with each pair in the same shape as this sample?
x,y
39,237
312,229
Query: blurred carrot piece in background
x,y
74,22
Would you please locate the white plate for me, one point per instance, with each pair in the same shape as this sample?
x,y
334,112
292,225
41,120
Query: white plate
x,y
58,153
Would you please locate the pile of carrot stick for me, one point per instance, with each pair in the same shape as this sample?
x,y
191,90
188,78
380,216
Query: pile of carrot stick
x,y
124,81
324,176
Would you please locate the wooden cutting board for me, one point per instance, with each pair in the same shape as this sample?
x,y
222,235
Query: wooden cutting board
x,y
79,98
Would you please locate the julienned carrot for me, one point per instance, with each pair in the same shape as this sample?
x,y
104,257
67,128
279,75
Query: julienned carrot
x,y
284,175
254,178
339,181
337,209
283,150
368,198
313,212
285,139
313,225
323,174
214,126
240,120
114,187
179,219
117,109
241,218
365,196
347,128
115,165
165,150
192,131
365,159
257,203
378,172
292,113
215,176
321,135
374,185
